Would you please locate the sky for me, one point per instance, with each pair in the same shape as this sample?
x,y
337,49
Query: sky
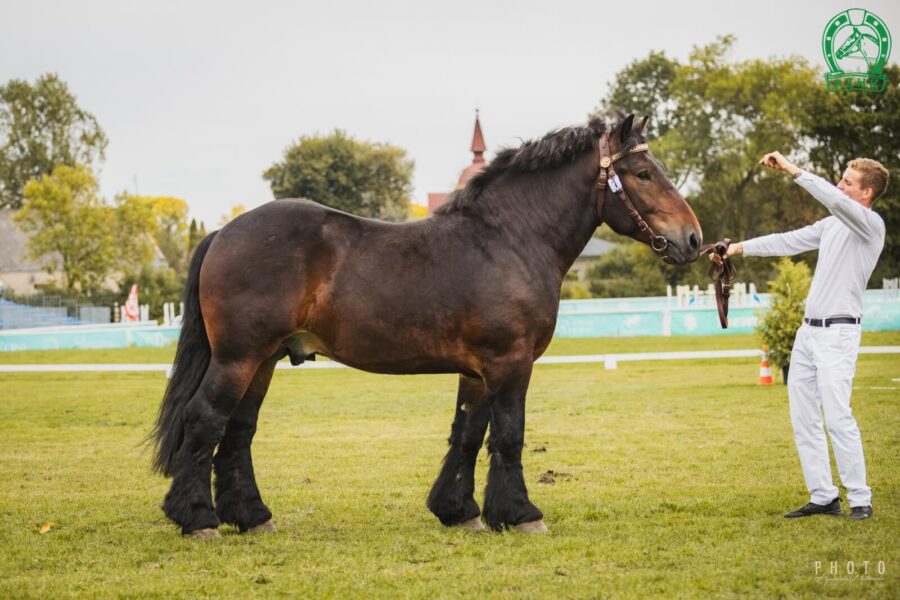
x,y
198,98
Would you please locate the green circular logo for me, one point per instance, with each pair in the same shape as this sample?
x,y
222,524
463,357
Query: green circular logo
x,y
857,45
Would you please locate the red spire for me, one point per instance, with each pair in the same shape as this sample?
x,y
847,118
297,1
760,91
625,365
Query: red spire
x,y
478,141
478,160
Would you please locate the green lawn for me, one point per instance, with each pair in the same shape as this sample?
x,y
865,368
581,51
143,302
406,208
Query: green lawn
x,y
671,479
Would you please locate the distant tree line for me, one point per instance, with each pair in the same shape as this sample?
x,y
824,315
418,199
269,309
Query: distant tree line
x,y
712,118
50,146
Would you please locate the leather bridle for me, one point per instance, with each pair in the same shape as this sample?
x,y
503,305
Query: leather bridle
x,y
721,272
608,175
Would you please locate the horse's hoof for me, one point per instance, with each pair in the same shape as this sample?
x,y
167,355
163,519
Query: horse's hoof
x,y
532,527
473,524
203,534
267,527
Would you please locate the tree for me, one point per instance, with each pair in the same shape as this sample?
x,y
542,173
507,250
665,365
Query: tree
x,y
135,225
371,180
235,211
172,231
850,125
720,116
196,233
72,229
644,88
169,226
627,271
42,126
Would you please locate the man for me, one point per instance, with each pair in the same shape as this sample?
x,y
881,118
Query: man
x,y
823,360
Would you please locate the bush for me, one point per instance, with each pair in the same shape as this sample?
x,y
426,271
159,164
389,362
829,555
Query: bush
x,y
779,325
628,271
572,290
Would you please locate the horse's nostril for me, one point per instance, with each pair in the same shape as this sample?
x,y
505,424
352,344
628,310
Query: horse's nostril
x,y
693,241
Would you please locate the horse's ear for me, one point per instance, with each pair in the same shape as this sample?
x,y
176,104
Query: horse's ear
x,y
625,130
642,124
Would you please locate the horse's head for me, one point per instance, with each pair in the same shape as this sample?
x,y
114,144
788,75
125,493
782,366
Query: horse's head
x,y
654,197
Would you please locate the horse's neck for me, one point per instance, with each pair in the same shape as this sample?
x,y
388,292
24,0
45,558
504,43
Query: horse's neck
x,y
551,214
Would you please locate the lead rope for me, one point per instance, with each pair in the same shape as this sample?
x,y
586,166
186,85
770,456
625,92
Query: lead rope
x,y
722,275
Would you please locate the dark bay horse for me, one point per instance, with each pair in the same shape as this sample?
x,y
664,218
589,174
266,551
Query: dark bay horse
x,y
473,289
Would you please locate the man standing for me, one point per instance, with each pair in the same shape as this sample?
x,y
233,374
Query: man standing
x,y
823,360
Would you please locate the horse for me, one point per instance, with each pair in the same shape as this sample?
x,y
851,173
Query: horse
x,y
472,290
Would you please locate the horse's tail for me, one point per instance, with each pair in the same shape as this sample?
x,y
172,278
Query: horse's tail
x,y
191,362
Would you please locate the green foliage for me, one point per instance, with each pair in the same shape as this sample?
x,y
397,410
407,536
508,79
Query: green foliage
x,y
135,224
233,213
172,231
42,126
627,271
71,229
780,323
644,87
371,180
196,233
166,218
156,286
853,125
715,117
574,290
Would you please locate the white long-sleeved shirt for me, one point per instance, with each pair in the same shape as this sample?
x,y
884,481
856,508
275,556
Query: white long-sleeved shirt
x,y
849,243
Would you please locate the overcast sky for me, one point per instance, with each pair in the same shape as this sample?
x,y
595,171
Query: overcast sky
x,y
199,98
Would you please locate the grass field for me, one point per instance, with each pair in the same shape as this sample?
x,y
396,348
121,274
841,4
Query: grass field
x,y
669,480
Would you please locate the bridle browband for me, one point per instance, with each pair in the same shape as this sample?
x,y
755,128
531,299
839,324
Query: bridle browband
x,y
608,176
721,274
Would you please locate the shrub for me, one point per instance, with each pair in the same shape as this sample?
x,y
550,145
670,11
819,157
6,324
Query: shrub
x,y
779,325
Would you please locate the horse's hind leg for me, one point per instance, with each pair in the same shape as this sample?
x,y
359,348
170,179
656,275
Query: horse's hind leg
x,y
238,501
189,501
452,496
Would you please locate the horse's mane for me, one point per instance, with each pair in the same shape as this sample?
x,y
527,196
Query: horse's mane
x,y
554,149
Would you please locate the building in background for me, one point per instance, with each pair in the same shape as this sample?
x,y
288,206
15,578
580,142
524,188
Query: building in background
x,y
436,199
19,274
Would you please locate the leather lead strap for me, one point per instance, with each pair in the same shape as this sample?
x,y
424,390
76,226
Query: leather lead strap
x,y
722,275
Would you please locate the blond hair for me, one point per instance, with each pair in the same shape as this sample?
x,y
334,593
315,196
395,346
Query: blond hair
x,y
873,175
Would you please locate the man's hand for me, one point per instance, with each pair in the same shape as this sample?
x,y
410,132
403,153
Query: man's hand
x,y
735,248
777,161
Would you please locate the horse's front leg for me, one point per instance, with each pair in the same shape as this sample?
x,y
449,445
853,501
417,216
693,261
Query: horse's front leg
x,y
506,502
452,496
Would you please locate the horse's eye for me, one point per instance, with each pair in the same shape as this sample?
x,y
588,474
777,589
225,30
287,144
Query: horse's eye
x,y
644,175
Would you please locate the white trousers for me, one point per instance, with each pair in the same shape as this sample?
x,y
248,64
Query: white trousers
x,y
823,364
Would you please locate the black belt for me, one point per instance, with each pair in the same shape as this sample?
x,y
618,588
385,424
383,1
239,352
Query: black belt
x,y
832,321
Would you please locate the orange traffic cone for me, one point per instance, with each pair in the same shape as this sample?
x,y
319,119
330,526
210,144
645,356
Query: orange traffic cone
x,y
765,374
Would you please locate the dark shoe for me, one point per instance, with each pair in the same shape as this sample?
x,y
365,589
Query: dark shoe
x,y
832,508
858,513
